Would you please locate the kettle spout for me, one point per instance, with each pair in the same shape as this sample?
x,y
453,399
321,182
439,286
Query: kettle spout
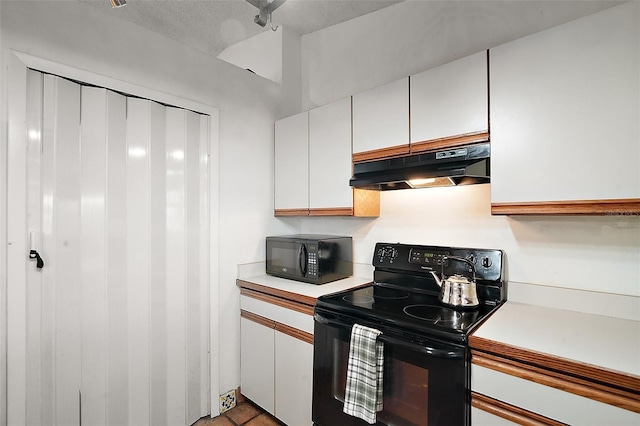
x,y
437,278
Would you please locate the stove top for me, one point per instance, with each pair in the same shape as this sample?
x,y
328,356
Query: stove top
x,y
405,296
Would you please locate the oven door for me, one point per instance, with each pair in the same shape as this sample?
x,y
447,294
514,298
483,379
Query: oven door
x,y
425,381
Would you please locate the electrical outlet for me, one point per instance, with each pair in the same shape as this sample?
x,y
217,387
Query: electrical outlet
x,y
227,401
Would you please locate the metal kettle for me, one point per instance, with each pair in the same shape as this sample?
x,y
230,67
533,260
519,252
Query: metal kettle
x,y
457,290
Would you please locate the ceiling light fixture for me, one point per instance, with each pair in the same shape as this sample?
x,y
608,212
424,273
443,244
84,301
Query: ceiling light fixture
x,y
266,8
118,3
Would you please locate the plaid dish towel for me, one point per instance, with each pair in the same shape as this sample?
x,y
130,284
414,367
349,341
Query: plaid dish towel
x,y
363,394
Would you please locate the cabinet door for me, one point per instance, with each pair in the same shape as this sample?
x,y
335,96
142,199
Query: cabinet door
x,y
564,115
330,156
451,101
482,418
381,121
294,375
292,163
256,363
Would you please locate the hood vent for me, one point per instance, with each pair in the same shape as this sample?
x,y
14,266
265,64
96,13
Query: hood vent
x,y
465,165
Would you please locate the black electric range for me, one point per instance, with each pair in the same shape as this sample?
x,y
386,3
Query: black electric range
x,y
404,293
427,360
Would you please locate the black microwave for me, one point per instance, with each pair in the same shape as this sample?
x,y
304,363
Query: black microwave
x,y
316,259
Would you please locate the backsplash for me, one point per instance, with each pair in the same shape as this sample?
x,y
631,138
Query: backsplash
x,y
599,254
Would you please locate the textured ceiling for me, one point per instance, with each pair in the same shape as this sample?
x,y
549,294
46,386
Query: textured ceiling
x,y
212,25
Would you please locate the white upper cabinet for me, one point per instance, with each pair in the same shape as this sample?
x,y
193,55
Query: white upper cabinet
x,y
313,165
330,156
565,118
291,162
381,121
451,101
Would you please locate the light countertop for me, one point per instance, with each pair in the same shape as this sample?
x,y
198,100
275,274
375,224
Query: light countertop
x,y
602,341
305,289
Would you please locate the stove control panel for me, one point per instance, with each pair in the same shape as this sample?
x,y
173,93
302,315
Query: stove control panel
x,y
488,263
386,254
427,257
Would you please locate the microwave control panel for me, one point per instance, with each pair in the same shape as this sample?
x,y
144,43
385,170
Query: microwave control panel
x,y
312,264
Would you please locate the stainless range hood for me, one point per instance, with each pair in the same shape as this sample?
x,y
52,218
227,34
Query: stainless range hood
x,y
466,165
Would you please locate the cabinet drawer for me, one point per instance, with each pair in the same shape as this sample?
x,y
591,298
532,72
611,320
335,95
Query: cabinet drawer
x,y
298,320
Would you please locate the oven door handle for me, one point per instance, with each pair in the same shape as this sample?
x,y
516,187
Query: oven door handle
x,y
441,352
428,350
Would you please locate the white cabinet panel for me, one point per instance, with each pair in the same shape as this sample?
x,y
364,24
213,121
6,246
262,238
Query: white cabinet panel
x,y
330,155
550,402
291,162
482,418
294,376
451,99
381,117
257,361
564,111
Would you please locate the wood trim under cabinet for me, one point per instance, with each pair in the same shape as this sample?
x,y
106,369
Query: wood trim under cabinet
x,y
331,211
294,332
511,412
381,154
421,146
366,203
285,299
449,142
613,207
291,212
257,319
589,381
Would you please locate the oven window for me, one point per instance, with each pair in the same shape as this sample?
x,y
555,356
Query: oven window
x,y
406,387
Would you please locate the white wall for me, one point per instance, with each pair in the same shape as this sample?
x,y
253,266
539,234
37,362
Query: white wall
x,y
600,254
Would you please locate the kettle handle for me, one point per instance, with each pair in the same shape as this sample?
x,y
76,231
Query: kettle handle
x,y
460,259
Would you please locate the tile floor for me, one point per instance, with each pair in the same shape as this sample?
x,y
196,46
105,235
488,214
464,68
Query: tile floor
x,y
244,413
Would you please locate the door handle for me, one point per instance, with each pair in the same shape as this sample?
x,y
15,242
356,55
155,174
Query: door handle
x,y
33,253
303,259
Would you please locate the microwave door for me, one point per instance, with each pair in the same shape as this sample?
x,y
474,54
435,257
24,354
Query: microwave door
x,y
285,259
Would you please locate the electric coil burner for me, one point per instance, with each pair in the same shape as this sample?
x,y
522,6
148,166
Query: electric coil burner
x,y
426,356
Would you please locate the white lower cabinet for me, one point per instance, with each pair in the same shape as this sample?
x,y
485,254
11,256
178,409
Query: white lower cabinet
x,y
294,379
257,359
276,370
527,402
